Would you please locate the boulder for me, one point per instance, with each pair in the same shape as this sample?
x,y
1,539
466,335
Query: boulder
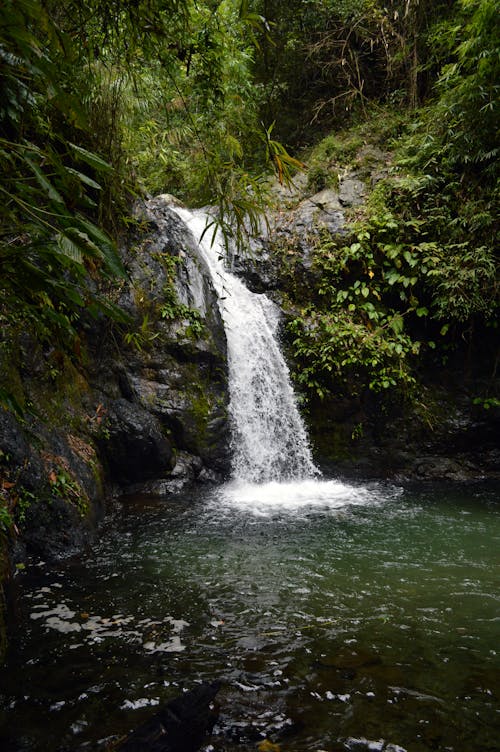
x,y
133,443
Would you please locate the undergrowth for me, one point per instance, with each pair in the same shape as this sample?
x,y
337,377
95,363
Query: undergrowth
x,y
413,280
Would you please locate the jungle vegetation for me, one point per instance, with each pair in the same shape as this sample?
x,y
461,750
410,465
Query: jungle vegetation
x,y
104,101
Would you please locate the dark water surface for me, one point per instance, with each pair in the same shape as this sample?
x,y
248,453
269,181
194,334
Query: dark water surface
x,y
336,618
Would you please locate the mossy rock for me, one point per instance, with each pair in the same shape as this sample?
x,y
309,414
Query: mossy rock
x,y
4,570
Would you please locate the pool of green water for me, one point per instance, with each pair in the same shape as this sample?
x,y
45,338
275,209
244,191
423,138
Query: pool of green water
x,y
371,623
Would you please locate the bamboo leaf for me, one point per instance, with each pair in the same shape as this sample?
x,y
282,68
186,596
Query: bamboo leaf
x,y
106,246
84,178
69,248
92,159
51,192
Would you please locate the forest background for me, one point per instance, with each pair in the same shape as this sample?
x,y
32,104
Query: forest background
x,y
105,101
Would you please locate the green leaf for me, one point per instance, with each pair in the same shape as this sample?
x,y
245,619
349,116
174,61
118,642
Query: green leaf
x,y
106,246
396,324
84,178
74,296
69,248
392,277
45,183
92,159
9,402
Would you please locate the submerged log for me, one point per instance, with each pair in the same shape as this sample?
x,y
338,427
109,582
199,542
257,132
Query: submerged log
x,y
181,725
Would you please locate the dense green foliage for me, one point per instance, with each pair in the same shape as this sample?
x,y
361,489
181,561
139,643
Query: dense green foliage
x,y
418,274
50,244
329,58
105,100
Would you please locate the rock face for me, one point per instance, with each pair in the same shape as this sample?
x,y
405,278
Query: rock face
x,y
359,436
149,407
175,382
292,229
354,440
135,447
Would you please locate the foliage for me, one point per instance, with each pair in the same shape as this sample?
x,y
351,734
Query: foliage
x,y
328,59
142,337
417,275
102,100
391,295
66,488
195,131
51,251
328,158
355,335
421,274
469,90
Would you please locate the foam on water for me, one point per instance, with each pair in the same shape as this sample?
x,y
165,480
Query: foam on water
x,y
293,497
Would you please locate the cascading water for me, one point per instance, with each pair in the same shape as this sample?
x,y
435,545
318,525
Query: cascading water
x,y
269,439
272,468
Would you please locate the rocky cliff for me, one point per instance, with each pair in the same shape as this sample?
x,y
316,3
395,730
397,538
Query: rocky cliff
x,y
142,407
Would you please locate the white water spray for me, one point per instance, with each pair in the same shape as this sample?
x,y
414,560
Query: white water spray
x,y
269,439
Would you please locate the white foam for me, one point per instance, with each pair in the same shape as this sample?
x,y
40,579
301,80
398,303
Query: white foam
x,y
264,499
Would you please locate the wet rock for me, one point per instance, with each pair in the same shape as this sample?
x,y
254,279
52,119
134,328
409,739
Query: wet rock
x,y
187,469
180,379
180,726
323,210
52,483
186,466
444,468
55,530
209,476
293,228
18,454
168,238
135,447
161,486
260,268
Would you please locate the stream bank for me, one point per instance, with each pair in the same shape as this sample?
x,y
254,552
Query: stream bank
x,y
438,426
143,406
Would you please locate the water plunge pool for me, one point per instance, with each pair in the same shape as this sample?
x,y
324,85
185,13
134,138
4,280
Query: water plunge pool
x,y
337,618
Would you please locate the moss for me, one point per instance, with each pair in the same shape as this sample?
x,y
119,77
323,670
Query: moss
x,y
4,569
355,149
10,379
200,410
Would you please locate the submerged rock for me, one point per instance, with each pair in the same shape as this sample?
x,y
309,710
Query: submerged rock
x,y
179,726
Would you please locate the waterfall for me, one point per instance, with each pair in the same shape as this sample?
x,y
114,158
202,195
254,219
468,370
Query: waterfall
x,y
269,440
